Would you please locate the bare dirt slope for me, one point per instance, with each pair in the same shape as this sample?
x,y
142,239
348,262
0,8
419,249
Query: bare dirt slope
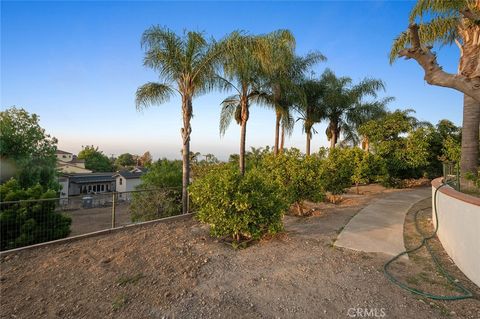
x,y
175,270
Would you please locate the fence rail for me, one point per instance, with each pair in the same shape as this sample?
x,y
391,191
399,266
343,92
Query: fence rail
x,y
33,221
453,177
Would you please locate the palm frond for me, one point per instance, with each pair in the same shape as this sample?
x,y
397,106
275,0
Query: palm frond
x,y
152,93
436,8
230,110
442,30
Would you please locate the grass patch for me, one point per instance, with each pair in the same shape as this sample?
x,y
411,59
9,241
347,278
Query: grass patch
x,y
125,280
119,302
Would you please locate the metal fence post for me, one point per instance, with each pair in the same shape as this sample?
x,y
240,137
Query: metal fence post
x,y
113,210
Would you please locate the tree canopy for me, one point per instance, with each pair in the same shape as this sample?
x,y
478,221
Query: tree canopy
x,y
95,160
31,149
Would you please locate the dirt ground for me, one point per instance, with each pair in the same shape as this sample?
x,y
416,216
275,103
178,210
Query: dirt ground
x,y
175,270
94,219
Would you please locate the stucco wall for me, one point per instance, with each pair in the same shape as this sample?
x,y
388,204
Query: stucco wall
x,y
459,228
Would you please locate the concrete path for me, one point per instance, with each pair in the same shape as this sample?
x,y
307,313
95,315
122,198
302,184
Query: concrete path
x,y
379,226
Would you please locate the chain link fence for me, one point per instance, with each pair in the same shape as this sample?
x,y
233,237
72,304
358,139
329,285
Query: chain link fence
x,y
466,184
34,221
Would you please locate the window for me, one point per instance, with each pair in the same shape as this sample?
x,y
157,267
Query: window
x,y
121,181
64,156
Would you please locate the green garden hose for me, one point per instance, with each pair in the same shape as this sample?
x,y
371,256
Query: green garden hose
x,y
465,292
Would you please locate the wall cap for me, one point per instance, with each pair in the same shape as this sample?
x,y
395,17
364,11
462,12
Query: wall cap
x,y
449,191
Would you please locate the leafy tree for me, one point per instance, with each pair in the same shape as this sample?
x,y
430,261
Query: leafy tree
x,y
298,176
402,141
95,160
125,160
186,65
246,61
367,167
337,171
239,206
160,194
448,22
29,222
146,159
25,142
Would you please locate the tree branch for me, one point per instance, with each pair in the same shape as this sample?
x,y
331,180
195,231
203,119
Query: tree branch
x,y
434,73
468,14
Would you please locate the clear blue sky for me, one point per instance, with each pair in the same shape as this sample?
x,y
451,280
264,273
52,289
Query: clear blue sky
x,y
78,64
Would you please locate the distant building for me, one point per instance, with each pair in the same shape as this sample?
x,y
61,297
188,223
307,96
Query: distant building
x,y
126,181
69,163
86,183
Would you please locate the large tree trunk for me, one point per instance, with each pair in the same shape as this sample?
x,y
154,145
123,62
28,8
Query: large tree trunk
x,y
277,131
309,137
470,136
186,131
243,134
282,140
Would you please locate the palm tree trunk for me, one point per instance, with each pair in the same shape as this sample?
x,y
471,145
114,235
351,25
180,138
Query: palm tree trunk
x,y
277,132
309,137
333,138
282,140
470,136
243,135
186,130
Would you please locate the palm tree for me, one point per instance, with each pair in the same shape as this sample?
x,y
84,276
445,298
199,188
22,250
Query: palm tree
x,y
283,71
449,22
363,112
310,108
342,100
186,65
245,64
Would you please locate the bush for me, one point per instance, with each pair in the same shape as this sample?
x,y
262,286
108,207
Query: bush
x,y
28,223
243,207
162,192
337,171
367,168
297,175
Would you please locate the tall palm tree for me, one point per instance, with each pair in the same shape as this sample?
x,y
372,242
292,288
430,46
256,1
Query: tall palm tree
x,y
186,65
310,108
446,23
283,72
245,66
342,100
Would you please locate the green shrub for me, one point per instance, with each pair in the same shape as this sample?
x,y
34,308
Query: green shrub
x,y
242,207
28,223
367,168
297,175
337,171
161,195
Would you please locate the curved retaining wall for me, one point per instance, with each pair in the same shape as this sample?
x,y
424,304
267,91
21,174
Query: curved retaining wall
x,y
459,228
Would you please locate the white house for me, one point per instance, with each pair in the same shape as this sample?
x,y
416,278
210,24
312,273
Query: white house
x,y
69,163
127,181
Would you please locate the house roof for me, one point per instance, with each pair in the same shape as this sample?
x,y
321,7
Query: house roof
x,y
130,174
62,152
81,178
76,160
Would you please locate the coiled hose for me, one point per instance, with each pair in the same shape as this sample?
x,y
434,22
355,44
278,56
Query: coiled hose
x,y
465,292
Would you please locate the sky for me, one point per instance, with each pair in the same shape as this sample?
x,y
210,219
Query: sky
x,y
78,64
